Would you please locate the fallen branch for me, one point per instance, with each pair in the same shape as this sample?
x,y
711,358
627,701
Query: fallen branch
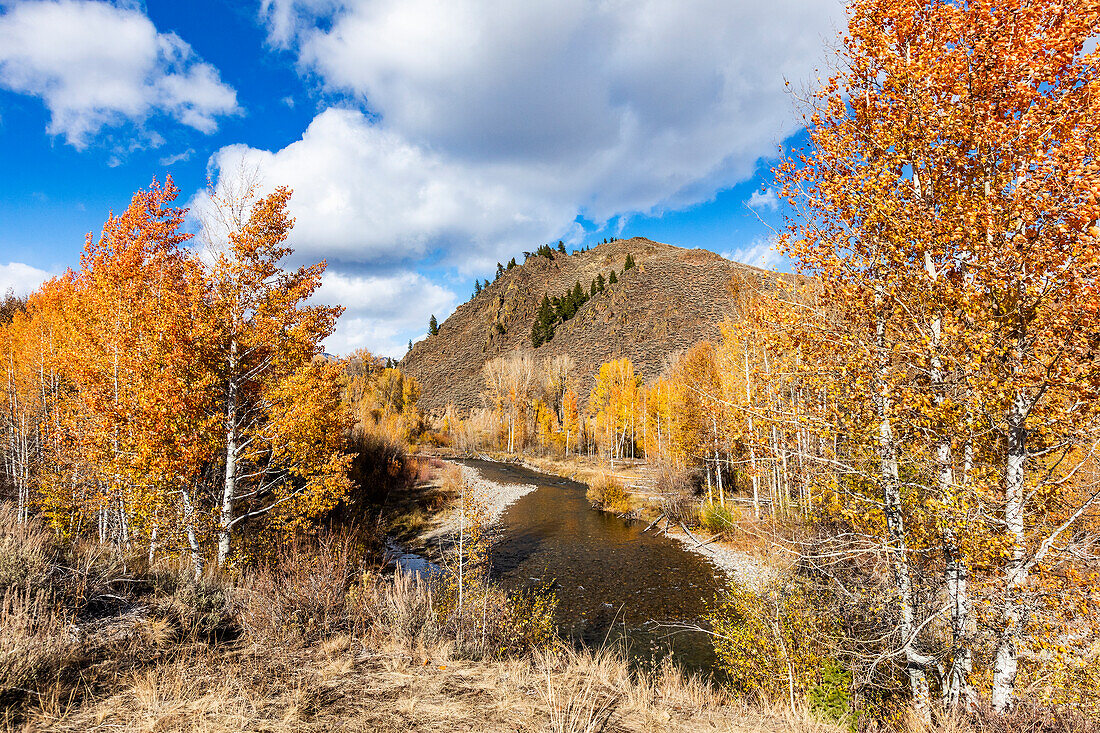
x,y
689,534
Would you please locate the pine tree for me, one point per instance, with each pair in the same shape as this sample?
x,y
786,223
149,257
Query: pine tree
x,y
568,307
578,295
629,263
613,279
561,246
500,269
511,263
600,283
410,345
592,289
477,288
543,328
433,326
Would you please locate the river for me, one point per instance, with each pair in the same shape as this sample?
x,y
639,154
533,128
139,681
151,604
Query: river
x,y
614,582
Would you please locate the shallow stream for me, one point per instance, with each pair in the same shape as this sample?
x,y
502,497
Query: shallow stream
x,y
614,582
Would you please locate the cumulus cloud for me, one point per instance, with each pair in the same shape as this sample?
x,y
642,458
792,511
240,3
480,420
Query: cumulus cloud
x,y
96,65
20,278
383,311
760,253
628,106
366,194
473,129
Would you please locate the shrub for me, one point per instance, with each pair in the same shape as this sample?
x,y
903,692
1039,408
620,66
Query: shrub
x,y
676,479
718,519
381,465
831,697
769,642
527,622
303,594
607,494
677,484
200,607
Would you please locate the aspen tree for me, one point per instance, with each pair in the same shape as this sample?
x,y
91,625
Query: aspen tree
x,y
265,338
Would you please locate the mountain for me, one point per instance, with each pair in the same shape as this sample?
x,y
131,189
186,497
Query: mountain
x,y
672,299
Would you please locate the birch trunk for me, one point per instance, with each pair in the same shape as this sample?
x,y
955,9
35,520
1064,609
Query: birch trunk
x,y
752,437
957,688
896,545
229,491
1006,657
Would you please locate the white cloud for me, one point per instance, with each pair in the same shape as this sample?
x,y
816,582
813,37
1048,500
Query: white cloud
x,y
767,201
383,311
365,194
20,278
474,129
96,65
178,157
625,106
760,253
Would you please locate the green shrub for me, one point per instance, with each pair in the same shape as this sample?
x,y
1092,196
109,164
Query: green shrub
x,y
831,697
717,519
769,642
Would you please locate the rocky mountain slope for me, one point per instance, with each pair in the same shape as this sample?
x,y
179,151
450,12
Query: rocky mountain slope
x,y
673,299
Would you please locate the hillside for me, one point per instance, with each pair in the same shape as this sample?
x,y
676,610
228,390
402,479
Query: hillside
x,y
672,299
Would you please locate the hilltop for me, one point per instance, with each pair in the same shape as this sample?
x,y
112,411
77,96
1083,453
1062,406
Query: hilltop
x,y
672,299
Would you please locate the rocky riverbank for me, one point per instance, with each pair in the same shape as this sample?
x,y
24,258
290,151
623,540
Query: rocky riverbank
x,y
493,496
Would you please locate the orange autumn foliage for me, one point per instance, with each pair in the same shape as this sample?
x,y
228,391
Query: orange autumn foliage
x,y
117,381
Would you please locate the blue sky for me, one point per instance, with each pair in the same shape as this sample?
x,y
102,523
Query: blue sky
x,y
425,139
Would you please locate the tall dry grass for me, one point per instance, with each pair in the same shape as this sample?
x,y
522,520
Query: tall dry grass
x,y
291,645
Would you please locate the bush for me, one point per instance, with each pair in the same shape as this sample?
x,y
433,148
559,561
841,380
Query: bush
x,y
831,697
718,519
381,466
769,642
200,607
527,622
605,493
677,484
303,594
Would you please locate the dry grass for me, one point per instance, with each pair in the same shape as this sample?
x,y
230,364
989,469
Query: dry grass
x,y
310,644
362,685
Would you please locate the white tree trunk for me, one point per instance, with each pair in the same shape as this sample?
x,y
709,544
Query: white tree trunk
x,y
752,437
229,490
1006,657
957,688
896,545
